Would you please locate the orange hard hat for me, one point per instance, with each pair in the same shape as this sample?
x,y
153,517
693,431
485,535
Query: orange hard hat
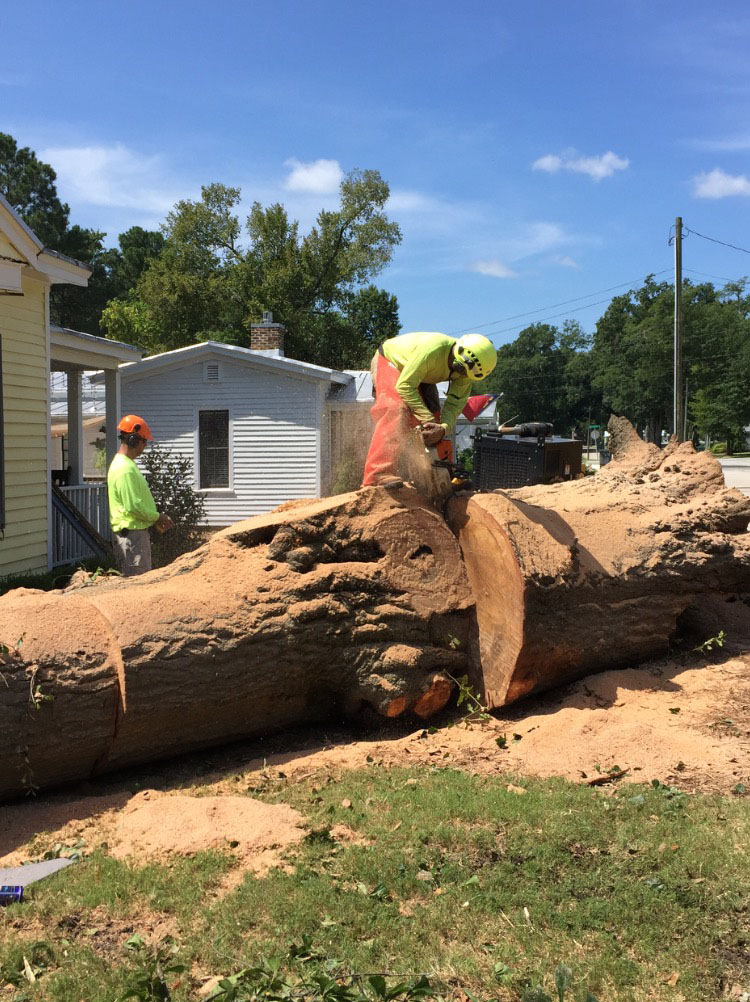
x,y
131,424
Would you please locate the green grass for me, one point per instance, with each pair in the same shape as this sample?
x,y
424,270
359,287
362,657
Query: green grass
x,y
486,891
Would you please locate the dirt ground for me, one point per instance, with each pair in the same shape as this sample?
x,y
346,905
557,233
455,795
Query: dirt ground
x,y
685,722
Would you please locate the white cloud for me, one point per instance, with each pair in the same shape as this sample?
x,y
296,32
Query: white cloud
x,y
718,184
534,239
411,201
111,176
13,80
494,268
565,261
597,168
732,144
320,177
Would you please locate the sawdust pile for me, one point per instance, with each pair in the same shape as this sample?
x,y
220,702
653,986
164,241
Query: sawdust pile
x,y
152,826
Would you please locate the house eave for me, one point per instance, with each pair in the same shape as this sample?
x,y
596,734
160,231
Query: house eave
x,y
53,265
87,351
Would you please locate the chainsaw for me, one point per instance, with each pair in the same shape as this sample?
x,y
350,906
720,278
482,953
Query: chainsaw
x,y
434,477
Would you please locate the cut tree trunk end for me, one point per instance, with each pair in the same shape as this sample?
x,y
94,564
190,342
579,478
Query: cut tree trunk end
x,y
592,574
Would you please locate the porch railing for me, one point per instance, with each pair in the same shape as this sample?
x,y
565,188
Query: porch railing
x,y
71,539
91,501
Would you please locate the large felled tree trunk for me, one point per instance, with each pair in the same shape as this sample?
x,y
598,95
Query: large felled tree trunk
x,y
361,598
592,574
365,598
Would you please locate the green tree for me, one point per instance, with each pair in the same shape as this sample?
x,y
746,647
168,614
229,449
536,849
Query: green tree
x,y
632,360
633,357
718,365
127,262
545,375
29,184
372,316
207,284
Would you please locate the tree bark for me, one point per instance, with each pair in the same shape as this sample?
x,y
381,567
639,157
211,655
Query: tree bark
x,y
361,598
583,576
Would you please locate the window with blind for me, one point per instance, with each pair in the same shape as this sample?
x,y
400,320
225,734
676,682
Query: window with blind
x,y
213,447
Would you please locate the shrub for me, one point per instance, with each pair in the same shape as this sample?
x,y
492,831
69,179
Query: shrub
x,y
170,479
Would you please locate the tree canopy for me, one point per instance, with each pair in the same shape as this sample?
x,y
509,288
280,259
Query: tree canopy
x,y
207,283
633,357
29,184
545,375
626,367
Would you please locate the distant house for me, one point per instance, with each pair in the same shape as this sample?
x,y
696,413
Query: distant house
x,y
37,529
255,424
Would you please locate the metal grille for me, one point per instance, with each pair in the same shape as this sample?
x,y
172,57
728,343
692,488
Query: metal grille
x,y
502,467
213,443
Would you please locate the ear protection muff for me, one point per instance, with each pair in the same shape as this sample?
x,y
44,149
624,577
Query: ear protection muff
x,y
132,440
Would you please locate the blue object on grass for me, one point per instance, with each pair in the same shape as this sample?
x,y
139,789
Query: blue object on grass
x,y
15,878
10,894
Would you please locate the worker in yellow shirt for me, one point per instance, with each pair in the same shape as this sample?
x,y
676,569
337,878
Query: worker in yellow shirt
x,y
405,372
131,506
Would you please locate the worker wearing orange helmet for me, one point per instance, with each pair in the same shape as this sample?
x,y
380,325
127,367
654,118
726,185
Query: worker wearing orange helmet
x,y
405,372
131,505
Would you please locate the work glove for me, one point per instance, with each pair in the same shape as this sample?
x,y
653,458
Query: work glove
x,y
432,433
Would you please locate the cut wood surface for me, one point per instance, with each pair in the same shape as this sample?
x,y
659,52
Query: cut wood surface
x,y
593,574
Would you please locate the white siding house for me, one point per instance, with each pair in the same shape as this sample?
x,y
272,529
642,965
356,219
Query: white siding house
x,y
254,424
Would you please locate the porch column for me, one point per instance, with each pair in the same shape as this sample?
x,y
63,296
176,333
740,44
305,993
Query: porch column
x,y
75,426
111,410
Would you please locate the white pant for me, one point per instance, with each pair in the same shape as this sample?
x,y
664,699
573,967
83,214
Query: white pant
x,y
133,552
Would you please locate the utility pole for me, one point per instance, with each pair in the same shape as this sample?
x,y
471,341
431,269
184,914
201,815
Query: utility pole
x,y
678,410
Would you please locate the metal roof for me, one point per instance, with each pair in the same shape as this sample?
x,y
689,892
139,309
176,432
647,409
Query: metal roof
x,y
188,354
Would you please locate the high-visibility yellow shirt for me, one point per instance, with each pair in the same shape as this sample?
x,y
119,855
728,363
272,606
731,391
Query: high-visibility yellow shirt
x,y
131,505
422,357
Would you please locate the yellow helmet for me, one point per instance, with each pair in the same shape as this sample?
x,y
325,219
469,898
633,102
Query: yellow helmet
x,y
477,355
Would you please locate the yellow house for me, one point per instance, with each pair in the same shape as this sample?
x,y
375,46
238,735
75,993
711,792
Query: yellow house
x,y
28,349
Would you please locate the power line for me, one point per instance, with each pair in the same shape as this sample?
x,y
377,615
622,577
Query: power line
x,y
713,240
553,306
720,278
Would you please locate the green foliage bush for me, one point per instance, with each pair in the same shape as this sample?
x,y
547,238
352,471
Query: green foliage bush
x,y
170,479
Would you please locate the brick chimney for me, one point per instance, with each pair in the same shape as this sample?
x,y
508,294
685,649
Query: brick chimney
x,y
267,337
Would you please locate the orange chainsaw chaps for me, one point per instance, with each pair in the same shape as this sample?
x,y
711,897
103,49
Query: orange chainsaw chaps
x,y
393,419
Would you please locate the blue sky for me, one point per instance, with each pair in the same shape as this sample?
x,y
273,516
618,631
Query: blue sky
x,y
537,153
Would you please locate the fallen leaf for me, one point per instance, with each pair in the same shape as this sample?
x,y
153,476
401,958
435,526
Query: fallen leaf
x,y
673,978
515,789
28,973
